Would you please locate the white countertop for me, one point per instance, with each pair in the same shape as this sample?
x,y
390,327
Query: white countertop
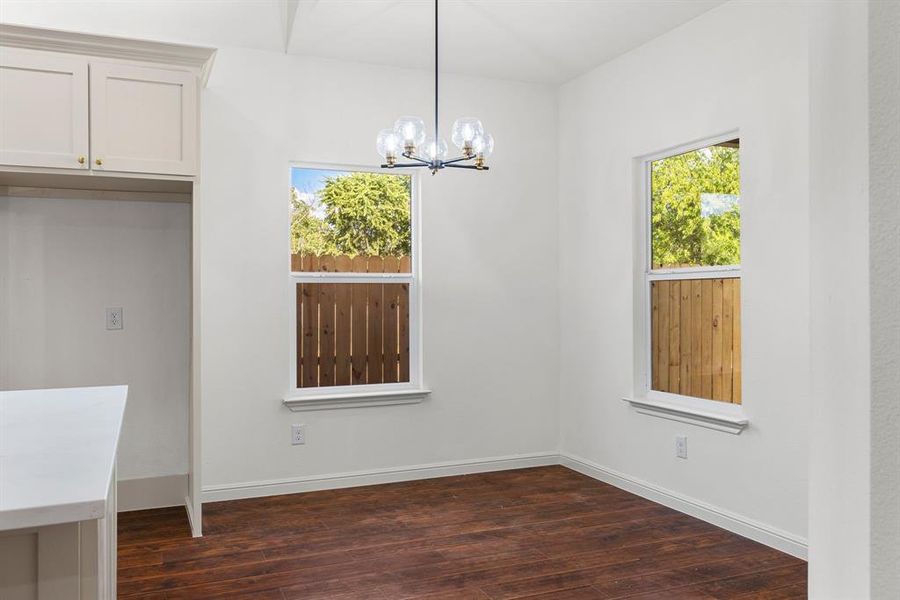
x,y
57,454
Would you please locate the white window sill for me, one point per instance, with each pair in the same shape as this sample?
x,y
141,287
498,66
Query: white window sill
x,y
355,400
729,418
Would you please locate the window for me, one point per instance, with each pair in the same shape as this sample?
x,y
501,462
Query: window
x,y
353,276
693,276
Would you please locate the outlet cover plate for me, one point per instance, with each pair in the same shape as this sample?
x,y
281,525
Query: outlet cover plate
x,y
114,318
298,435
681,446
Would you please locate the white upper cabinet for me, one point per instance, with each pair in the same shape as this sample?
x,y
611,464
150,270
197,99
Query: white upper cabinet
x,y
97,105
43,109
143,120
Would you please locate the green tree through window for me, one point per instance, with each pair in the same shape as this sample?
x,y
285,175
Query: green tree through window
x,y
353,213
695,208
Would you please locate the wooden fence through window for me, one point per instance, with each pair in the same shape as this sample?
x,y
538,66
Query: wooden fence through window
x,y
352,333
696,338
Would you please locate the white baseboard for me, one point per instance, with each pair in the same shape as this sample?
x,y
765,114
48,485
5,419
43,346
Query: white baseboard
x,y
274,487
748,528
151,492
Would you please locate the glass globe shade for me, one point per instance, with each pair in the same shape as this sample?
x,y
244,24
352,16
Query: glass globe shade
x,y
466,129
431,151
483,145
388,143
411,131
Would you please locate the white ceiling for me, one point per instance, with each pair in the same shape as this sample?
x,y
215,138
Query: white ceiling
x,y
547,41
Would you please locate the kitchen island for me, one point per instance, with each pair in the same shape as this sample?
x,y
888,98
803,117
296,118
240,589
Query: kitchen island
x,y
58,492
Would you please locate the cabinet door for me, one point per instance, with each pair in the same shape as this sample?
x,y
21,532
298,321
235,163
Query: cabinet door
x,y
43,109
143,120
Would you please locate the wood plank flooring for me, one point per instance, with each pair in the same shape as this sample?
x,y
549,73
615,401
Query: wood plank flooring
x,y
543,533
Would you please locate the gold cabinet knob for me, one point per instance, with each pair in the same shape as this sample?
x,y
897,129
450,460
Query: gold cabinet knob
x,y
98,162
80,160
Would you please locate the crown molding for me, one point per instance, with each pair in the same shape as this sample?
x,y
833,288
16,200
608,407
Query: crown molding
x,y
197,58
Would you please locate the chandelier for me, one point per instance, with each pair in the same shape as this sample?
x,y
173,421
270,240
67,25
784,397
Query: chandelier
x,y
408,138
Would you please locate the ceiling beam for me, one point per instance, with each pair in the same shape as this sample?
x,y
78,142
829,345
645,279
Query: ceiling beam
x,y
288,15
290,10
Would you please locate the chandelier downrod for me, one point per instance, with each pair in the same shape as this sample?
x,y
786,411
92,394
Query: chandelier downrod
x,y
436,136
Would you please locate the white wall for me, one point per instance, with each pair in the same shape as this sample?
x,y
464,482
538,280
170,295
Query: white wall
x,y
68,259
489,262
884,256
741,66
839,531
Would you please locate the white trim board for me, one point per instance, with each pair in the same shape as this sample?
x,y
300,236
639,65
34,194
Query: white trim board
x,y
196,530
274,487
743,526
151,492
714,418
92,194
329,401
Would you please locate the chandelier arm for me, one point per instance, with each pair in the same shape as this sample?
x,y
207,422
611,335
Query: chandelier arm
x,y
458,159
452,166
404,165
416,158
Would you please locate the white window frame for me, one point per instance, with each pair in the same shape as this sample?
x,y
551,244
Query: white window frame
x,y
713,414
377,394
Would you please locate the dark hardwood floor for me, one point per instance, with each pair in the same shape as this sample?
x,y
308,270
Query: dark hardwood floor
x,y
544,533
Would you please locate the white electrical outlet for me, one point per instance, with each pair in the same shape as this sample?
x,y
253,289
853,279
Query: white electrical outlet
x,y
114,318
681,446
298,435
